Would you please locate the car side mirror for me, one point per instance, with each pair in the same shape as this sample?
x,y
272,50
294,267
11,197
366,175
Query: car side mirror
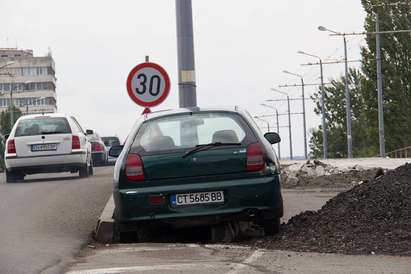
x,y
89,132
6,136
272,137
115,151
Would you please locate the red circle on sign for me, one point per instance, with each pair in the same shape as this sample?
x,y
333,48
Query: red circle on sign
x,y
163,74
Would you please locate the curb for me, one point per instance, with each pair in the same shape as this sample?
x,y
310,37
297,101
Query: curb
x,y
104,230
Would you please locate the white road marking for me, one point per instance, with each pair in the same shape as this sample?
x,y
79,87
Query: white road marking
x,y
141,268
237,267
143,248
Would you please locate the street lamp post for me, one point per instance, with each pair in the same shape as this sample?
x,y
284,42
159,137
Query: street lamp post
x,y
278,127
304,119
379,88
289,120
347,92
324,125
11,102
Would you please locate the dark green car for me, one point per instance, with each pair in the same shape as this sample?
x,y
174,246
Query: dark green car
x,y
197,166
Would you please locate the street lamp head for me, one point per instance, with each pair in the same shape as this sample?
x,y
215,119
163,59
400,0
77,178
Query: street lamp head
x,y
292,73
321,28
279,91
308,54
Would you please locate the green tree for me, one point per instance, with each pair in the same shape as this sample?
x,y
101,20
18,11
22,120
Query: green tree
x,y
335,109
5,127
396,70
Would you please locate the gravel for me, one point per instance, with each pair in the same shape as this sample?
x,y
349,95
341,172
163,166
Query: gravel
x,y
373,217
314,174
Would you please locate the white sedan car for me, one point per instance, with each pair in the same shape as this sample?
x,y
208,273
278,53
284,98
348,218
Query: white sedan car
x,y
44,143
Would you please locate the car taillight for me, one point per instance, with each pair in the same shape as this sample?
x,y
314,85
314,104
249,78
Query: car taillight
x,y
134,168
255,157
11,146
75,142
97,147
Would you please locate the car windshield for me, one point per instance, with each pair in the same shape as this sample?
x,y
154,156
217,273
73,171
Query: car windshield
x,y
42,125
187,131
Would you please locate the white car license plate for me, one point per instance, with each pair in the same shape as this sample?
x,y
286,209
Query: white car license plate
x,y
43,147
197,198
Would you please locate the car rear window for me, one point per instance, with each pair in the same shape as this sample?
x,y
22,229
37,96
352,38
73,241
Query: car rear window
x,y
42,125
186,131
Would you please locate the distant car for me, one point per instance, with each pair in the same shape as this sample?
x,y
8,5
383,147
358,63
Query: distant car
x,y
197,166
98,149
47,143
110,141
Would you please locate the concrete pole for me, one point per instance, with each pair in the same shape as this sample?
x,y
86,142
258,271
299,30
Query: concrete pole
x,y
325,140
11,106
379,88
289,128
347,103
185,51
304,120
278,132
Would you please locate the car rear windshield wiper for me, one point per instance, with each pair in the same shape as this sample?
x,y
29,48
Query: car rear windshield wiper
x,y
202,147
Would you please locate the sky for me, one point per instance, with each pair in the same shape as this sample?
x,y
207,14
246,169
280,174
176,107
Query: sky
x,y
241,49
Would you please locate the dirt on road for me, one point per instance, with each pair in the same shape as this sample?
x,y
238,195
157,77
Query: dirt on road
x,y
373,217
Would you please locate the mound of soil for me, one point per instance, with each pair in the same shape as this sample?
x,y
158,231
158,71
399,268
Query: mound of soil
x,y
371,218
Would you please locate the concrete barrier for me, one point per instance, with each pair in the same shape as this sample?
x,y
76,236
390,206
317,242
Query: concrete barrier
x,y
104,231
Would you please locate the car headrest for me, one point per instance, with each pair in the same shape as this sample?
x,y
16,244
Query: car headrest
x,y
225,136
161,143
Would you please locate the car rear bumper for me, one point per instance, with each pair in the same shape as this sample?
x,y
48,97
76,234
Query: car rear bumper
x,y
74,159
69,167
242,198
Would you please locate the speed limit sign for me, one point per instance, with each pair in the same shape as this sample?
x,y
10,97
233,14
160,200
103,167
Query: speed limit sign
x,y
148,84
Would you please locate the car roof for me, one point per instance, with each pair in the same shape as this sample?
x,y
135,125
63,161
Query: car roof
x,y
31,116
161,113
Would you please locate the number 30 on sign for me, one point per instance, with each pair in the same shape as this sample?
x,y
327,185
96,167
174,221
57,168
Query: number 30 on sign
x,y
148,84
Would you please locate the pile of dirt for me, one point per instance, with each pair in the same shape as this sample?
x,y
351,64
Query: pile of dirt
x,y
371,218
318,174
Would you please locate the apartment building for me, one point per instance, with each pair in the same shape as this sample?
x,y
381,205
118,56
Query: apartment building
x,y
28,80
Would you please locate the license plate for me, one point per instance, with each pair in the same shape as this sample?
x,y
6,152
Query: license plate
x,y
43,147
197,198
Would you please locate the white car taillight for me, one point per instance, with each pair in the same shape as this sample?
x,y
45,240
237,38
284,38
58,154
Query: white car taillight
x,y
11,146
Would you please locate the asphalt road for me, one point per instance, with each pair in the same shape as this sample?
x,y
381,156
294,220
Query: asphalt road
x,y
48,218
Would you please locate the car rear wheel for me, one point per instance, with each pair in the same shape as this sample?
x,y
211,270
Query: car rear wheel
x,y
84,171
272,226
13,177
